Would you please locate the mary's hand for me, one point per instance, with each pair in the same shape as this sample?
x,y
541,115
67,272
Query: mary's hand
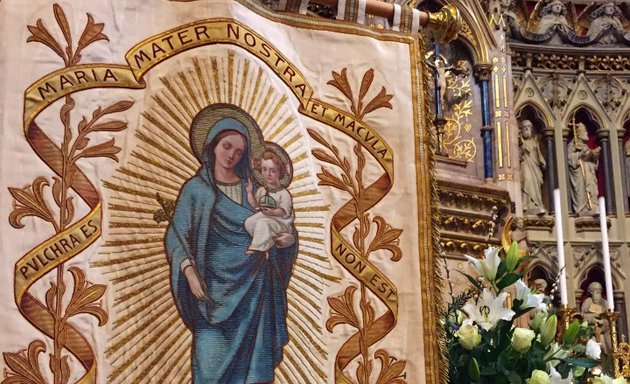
x,y
195,284
284,240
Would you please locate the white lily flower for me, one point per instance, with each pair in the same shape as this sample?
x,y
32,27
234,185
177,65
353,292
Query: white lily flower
x,y
488,310
593,349
489,265
556,378
530,300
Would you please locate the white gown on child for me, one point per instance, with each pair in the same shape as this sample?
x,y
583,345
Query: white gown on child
x,y
264,228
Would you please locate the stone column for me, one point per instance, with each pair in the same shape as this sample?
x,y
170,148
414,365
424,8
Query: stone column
x,y
620,306
483,73
624,172
603,136
549,148
565,145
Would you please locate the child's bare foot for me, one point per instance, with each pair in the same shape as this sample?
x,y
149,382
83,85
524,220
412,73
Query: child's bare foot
x,y
250,252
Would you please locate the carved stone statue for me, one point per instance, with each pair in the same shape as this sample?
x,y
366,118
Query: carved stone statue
x,y
595,304
442,73
514,230
553,14
607,16
532,164
592,308
541,286
519,234
583,163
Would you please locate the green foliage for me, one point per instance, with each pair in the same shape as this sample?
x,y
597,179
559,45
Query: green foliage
x,y
549,330
494,360
507,280
511,259
571,333
473,370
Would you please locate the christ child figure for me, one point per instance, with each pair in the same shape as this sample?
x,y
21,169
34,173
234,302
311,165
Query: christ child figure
x,y
273,203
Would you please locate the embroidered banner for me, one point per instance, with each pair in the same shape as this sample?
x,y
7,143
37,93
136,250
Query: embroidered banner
x,y
208,198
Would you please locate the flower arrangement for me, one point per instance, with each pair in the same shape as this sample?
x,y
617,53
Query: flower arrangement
x,y
484,345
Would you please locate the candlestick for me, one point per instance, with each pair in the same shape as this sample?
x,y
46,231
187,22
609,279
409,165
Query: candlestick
x,y
564,300
606,253
612,317
565,317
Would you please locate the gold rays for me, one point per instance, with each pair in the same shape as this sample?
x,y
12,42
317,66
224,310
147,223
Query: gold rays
x,y
148,341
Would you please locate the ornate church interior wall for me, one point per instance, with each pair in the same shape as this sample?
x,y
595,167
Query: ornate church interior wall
x,y
537,99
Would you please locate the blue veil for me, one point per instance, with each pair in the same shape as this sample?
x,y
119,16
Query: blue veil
x,y
238,335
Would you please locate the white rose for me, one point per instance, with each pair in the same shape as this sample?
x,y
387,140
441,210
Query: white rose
x,y
468,335
522,339
538,377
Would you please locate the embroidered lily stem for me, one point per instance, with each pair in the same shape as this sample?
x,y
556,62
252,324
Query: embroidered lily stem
x,y
364,230
343,310
30,201
64,202
64,218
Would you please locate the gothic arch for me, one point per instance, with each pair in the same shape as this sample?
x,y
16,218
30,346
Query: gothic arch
x,y
530,94
582,276
537,112
624,121
624,117
540,271
550,270
583,96
545,258
594,116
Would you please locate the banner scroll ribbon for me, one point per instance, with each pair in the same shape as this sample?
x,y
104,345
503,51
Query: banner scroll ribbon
x,y
368,274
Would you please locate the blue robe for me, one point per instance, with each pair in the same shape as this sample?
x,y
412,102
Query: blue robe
x,y
238,335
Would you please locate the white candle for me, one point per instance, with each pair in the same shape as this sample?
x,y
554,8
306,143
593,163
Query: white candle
x,y
606,252
564,300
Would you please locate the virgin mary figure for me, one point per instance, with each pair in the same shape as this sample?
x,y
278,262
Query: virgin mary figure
x,y
234,304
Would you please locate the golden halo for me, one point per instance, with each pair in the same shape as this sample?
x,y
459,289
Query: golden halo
x,y
210,115
284,157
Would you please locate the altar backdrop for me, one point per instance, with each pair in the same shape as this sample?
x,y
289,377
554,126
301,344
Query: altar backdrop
x,y
137,139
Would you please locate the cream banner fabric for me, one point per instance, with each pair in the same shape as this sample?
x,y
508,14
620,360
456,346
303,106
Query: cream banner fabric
x,y
212,192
